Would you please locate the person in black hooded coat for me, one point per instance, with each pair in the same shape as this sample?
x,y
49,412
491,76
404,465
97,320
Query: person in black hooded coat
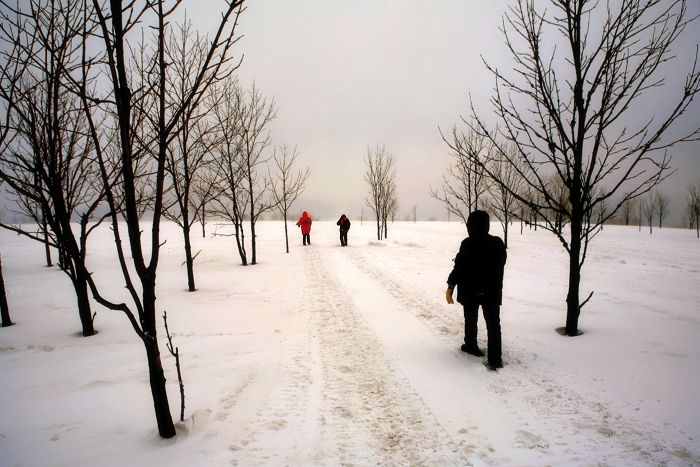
x,y
478,275
344,224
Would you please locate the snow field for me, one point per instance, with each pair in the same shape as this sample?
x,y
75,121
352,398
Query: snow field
x,y
331,355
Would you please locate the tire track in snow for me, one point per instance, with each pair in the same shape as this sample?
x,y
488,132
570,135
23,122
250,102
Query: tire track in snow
x,y
583,416
374,418
449,328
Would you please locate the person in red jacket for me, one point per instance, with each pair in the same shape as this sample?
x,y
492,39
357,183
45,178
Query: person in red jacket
x,y
305,224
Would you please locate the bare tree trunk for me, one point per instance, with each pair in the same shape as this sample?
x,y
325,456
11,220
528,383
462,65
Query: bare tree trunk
x,y
252,242
49,262
240,243
4,309
640,215
84,309
73,262
252,218
188,255
572,297
164,418
286,235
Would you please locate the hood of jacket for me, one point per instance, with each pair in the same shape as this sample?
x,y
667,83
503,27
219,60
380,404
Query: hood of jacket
x,y
478,224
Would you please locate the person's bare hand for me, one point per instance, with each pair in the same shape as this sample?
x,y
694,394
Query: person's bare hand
x,y
448,295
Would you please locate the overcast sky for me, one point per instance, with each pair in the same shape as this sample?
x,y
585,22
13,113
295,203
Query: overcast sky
x,y
346,75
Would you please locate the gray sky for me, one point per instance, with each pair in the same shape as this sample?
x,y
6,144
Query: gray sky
x,y
346,75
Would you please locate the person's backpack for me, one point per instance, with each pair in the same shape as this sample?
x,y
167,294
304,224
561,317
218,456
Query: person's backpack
x,y
347,221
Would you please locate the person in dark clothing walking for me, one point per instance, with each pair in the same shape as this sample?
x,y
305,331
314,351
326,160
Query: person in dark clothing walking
x,y
305,224
344,224
478,273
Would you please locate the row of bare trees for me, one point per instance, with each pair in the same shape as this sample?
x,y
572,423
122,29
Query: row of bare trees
x,y
464,185
569,146
247,180
467,187
653,206
111,111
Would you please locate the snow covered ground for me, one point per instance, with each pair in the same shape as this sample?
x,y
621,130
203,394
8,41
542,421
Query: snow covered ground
x,y
330,355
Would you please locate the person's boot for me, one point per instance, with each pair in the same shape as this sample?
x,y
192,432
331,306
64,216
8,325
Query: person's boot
x,y
476,351
494,366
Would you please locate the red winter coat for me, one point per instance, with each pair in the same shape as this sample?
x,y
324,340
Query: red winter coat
x,y
305,224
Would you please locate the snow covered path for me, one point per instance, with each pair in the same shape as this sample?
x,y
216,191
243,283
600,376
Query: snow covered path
x,y
337,394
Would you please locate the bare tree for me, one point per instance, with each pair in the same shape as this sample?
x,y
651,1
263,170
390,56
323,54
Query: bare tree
x,y
693,206
380,175
255,115
464,184
414,209
640,212
649,210
502,201
523,210
662,202
393,209
627,208
229,198
186,51
126,96
286,184
202,195
580,67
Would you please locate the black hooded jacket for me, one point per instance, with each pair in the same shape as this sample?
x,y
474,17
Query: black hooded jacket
x,y
344,223
478,269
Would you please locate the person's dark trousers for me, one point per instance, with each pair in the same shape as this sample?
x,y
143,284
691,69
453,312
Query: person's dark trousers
x,y
306,238
343,239
492,317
